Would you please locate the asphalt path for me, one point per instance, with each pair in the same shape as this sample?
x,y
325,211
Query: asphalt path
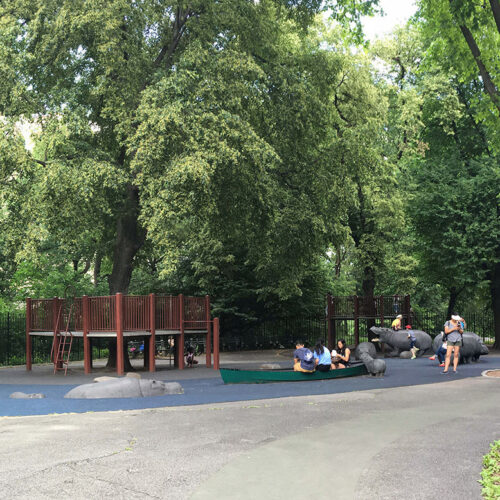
x,y
416,442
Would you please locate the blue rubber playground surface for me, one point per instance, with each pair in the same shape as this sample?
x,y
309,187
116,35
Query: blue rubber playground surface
x,y
212,390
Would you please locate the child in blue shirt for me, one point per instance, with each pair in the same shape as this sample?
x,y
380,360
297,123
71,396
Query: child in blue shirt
x,y
303,358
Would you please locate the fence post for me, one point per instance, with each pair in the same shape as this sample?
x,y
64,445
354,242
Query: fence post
x,y
180,344
28,336
87,365
329,306
120,365
152,327
216,343
381,310
208,343
408,310
356,320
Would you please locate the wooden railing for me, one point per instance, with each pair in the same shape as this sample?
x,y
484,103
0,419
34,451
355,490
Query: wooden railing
x,y
171,313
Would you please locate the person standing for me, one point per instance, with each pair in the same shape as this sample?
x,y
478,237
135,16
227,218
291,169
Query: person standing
x,y
413,340
453,332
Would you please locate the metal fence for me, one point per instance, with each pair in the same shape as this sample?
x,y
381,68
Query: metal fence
x,y
13,343
12,338
270,334
282,333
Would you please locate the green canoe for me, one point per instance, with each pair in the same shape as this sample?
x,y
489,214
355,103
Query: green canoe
x,y
235,376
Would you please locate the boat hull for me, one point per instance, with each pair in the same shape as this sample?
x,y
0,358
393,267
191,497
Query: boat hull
x,y
235,376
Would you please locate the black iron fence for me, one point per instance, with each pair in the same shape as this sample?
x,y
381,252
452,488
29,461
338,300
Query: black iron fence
x,y
270,334
282,333
12,338
13,343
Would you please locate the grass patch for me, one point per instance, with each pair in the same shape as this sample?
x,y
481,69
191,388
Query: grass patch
x,y
491,473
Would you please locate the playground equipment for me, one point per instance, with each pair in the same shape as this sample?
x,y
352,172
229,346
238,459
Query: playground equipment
x,y
121,317
369,308
61,346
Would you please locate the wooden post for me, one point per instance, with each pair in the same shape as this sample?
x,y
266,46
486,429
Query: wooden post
x,y
120,364
208,342
29,354
356,320
216,343
56,318
87,362
152,329
180,344
329,319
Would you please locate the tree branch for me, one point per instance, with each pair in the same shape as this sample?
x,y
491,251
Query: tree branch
x,y
167,51
495,7
489,86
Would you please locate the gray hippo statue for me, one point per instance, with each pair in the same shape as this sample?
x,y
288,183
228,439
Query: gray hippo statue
x,y
399,341
124,388
472,346
366,352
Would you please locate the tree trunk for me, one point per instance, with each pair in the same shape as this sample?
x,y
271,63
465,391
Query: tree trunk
x,y
129,239
111,363
454,293
97,268
495,7
488,84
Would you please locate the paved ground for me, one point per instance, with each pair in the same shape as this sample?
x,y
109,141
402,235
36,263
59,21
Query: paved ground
x,y
409,442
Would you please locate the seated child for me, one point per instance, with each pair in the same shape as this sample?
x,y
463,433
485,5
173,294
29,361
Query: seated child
x,y
190,361
303,358
322,357
396,324
441,352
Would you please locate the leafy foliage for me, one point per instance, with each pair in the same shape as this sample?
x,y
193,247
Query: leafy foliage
x,y
491,473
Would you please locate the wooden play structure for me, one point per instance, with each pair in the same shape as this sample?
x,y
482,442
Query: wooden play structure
x,y
121,317
383,308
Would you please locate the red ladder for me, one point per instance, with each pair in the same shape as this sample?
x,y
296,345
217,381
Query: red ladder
x,y
61,346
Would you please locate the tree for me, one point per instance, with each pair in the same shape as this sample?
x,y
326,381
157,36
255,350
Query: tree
x,y
85,67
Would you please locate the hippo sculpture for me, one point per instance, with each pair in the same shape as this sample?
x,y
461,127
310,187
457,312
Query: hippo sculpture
x,y
399,342
473,346
366,352
126,387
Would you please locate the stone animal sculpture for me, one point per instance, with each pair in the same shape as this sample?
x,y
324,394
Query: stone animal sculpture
x,y
400,343
126,387
23,395
366,352
473,346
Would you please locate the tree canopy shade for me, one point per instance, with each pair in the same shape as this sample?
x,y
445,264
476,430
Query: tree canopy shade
x,y
205,129
235,147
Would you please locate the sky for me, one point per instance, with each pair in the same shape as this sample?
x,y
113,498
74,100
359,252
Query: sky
x,y
397,12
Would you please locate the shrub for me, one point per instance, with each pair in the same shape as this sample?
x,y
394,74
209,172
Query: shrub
x,y
491,473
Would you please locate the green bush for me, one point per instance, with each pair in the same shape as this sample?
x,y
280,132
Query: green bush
x,y
491,473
